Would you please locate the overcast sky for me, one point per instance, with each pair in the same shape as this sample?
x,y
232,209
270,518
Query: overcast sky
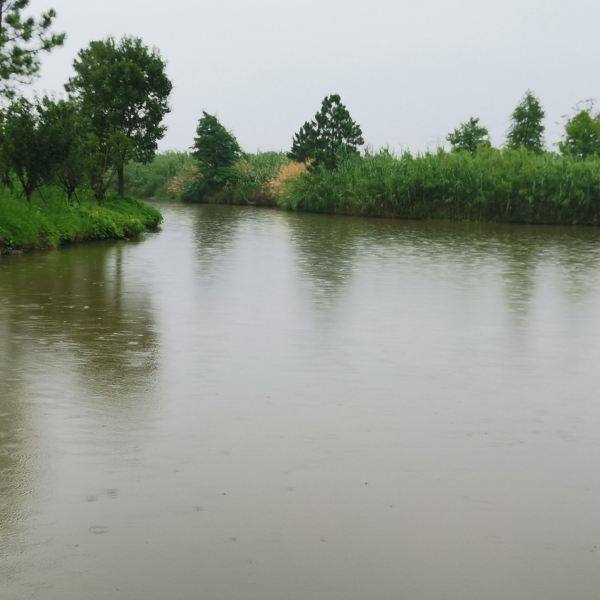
x,y
408,70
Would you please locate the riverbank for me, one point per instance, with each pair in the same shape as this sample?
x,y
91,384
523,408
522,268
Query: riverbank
x,y
503,186
49,222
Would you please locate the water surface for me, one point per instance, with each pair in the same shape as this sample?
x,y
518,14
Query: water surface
x,y
257,405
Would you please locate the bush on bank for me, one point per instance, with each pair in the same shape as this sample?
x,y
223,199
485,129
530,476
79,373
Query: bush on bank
x,y
249,182
49,222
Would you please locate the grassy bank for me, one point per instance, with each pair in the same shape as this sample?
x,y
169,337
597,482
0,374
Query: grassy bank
x,y
504,186
49,222
514,186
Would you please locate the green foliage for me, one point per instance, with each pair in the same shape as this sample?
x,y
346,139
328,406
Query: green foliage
x,y
527,128
124,90
153,179
27,145
328,139
216,150
509,186
22,40
248,184
582,136
304,144
71,142
469,137
49,222
254,173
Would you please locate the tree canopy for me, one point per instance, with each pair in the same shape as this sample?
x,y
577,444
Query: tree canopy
x,y
216,150
72,142
22,40
330,136
582,136
27,144
469,137
123,89
527,126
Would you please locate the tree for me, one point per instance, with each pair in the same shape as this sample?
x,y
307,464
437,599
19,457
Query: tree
x,y
469,137
216,150
22,41
527,128
582,136
123,90
304,145
73,144
329,137
27,145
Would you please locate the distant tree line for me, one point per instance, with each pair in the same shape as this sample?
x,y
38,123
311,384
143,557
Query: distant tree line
x,y
332,137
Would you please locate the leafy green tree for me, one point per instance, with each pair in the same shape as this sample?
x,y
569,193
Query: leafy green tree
x,y
216,150
527,127
27,145
582,136
124,90
69,134
469,137
329,137
22,40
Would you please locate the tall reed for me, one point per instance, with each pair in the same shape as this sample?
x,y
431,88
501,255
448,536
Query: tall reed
x,y
507,185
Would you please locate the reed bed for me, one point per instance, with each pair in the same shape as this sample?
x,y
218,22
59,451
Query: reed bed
x,y
492,185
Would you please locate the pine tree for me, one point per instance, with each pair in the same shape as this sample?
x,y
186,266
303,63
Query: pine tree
x,y
329,137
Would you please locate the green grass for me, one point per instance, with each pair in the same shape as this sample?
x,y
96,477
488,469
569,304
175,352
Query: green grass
x,y
507,186
49,222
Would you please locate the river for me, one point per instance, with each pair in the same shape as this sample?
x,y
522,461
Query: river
x,y
255,405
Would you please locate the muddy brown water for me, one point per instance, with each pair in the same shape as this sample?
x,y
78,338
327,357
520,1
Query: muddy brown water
x,y
254,405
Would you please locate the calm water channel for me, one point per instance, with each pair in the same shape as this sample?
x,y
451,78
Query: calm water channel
x,y
254,405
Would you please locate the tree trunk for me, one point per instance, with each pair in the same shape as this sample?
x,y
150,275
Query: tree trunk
x,y
1,14
121,180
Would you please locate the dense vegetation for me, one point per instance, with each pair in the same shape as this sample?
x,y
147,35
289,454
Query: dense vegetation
x,y
164,177
58,158
325,172
507,185
47,222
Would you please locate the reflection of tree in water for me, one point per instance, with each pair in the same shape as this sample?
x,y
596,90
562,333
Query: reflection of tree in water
x,y
215,232
520,256
577,255
67,314
13,426
472,253
513,254
529,254
80,305
327,248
